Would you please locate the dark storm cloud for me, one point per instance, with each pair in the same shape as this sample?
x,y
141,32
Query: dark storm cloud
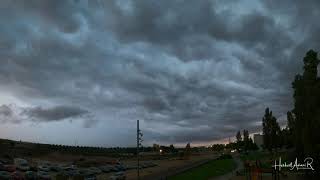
x,y
193,71
8,114
53,114
5,110
16,114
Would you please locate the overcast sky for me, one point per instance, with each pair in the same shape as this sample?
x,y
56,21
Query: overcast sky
x,y
192,71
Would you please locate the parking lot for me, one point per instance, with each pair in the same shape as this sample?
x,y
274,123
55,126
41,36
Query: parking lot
x,y
22,169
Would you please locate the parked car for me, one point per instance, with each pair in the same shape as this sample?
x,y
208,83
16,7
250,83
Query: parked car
x,y
55,168
21,164
4,161
70,171
23,167
105,169
33,168
17,176
2,167
44,168
30,175
118,176
120,167
43,175
10,168
69,168
128,167
5,175
85,172
91,177
17,161
95,170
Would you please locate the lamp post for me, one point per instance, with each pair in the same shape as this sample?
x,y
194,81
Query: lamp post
x,y
139,141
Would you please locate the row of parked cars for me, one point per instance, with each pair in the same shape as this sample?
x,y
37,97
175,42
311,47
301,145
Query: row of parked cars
x,y
21,170
28,175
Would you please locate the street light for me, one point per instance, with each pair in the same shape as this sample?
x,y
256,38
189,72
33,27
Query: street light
x,y
139,144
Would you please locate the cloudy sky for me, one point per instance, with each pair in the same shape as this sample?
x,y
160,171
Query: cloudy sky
x,y
192,71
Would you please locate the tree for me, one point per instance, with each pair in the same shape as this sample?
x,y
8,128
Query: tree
x,y
188,150
156,147
12,144
188,147
288,133
307,107
218,147
266,129
291,121
172,149
231,145
286,138
252,145
271,130
239,141
245,135
246,142
238,136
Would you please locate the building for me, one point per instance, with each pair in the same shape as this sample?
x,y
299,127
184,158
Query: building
x,y
258,139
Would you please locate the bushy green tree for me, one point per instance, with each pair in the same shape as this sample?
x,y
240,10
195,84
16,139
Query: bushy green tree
x,y
239,141
218,147
271,131
246,143
287,134
238,136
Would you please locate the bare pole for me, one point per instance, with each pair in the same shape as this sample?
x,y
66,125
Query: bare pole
x,y
138,145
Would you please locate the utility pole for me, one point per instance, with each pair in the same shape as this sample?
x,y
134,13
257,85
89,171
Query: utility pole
x,y
139,141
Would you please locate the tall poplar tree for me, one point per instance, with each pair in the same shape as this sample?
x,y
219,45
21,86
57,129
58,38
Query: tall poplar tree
x,y
307,107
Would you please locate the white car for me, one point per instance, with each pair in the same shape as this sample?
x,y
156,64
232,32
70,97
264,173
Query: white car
x,y
44,168
21,164
23,167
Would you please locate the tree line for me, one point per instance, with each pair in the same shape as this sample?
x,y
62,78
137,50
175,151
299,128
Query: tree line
x,y
303,121
243,143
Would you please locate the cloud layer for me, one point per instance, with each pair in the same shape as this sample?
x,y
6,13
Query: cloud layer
x,y
15,114
191,71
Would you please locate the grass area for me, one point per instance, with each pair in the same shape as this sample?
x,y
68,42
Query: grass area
x,y
211,169
254,156
266,158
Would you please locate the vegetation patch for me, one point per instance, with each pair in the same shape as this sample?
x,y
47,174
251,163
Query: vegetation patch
x,y
266,159
211,169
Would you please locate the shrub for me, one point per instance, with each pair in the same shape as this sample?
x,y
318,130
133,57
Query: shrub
x,y
225,156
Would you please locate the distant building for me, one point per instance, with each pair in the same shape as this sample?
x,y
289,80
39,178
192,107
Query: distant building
x,y
258,139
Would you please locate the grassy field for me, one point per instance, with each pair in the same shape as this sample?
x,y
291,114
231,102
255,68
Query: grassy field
x,y
266,158
210,169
